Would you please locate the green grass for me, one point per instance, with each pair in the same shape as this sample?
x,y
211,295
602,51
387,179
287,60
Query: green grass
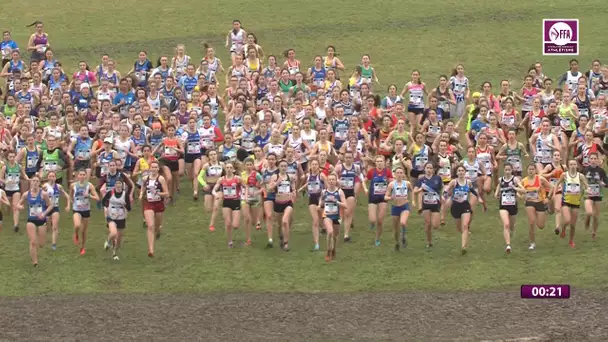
x,y
494,40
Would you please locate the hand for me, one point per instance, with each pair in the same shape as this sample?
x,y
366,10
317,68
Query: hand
x,y
41,216
67,209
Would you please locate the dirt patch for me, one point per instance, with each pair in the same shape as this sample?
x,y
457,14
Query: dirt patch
x,y
306,317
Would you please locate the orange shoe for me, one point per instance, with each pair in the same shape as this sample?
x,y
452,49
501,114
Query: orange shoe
x,y
211,228
328,258
248,243
258,226
150,254
82,251
572,244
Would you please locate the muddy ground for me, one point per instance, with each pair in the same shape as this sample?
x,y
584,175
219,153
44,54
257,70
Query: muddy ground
x,y
305,317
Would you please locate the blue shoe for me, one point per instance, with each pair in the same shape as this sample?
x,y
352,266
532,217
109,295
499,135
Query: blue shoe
x,y
372,226
377,243
99,205
54,247
316,248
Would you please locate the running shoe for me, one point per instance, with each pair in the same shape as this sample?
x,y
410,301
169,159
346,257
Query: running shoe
x,y
571,243
211,228
372,226
377,243
281,240
107,245
508,249
99,206
429,246
36,265
327,257
556,231
347,239
150,254
230,245
286,247
157,235
16,229
396,247
463,251
54,246
82,251
315,247
195,197
269,244
115,257
258,226
532,247
248,243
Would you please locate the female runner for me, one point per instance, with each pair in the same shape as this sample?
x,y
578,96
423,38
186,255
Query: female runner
x,y
283,202
596,177
192,157
508,190
349,176
315,183
236,39
10,174
537,188
156,190
459,189
39,206
173,150
552,172
268,171
446,165
117,203
252,180
379,177
55,191
208,177
398,192
430,187
573,184
445,96
543,144
81,192
417,92
332,199
231,185
459,84
485,155
512,152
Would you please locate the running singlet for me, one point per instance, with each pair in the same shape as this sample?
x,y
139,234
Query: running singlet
x,y
431,189
572,189
348,178
508,194
81,197
460,193
330,200
231,188
315,184
534,193
595,177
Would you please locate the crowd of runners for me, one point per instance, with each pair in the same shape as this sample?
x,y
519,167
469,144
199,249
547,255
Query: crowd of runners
x,y
260,132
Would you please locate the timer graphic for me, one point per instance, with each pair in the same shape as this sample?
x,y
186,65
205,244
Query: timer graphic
x,y
545,291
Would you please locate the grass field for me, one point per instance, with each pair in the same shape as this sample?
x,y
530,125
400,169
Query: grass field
x,y
494,40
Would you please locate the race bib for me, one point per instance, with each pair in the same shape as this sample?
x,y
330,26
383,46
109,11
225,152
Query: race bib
x,y
117,212
331,209
532,195
508,198
347,182
194,148
430,198
380,188
593,190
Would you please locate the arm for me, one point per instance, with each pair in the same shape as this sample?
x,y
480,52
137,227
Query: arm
x,y
93,193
